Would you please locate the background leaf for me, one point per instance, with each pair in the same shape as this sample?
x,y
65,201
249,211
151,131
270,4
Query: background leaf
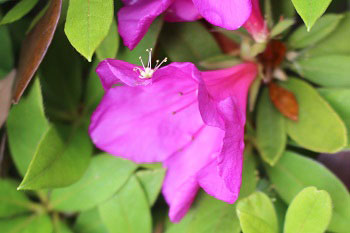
x,y
110,45
87,24
105,175
18,11
127,207
90,222
27,224
309,212
7,61
151,182
294,173
311,10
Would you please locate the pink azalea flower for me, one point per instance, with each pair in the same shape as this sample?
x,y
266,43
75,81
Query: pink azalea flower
x,y
191,121
137,15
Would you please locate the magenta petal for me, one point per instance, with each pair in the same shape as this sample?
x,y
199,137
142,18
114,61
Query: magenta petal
x,y
181,183
149,123
223,104
112,72
228,14
135,19
182,10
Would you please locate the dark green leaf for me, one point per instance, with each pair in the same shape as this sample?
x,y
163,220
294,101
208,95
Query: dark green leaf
x,y
189,41
302,38
94,90
12,202
61,227
294,173
271,131
151,182
127,207
105,175
56,163
257,214
281,27
90,222
309,212
7,60
18,11
319,128
26,126
87,24
110,45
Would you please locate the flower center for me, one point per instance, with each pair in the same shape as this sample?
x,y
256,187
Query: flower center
x,y
147,71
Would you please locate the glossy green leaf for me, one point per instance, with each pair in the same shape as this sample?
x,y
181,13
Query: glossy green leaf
x,y
58,163
61,79
339,99
12,202
127,207
281,27
319,128
110,45
7,60
27,224
301,38
26,126
271,130
309,212
180,45
329,70
311,10
151,182
148,41
90,222
94,90
336,43
104,176
87,24
294,173
256,213
18,11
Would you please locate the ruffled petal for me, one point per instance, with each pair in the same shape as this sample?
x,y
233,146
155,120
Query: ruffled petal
x,y
222,103
183,168
113,72
228,14
182,10
136,17
149,123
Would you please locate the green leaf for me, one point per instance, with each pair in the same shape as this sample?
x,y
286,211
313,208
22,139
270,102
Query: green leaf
x,y
249,174
180,45
61,78
94,90
127,207
283,8
61,227
151,182
222,61
110,45
309,212
294,173
87,24
329,71
18,11
271,130
281,27
104,176
335,43
56,163
339,99
311,10
26,126
301,38
319,128
7,60
257,214
27,224
90,222
12,202
148,41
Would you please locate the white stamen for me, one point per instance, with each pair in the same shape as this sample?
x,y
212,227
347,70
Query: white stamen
x,y
147,71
